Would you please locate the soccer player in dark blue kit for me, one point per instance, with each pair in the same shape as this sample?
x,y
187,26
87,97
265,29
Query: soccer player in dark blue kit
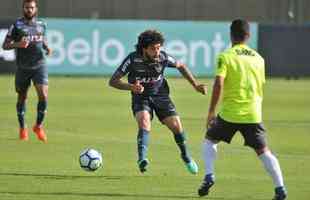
x,y
150,93
27,37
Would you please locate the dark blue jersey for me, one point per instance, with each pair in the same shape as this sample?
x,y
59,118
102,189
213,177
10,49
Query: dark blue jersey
x,y
149,73
34,31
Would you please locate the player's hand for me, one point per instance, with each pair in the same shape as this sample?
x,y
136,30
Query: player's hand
x,y
211,119
137,88
49,51
201,88
24,43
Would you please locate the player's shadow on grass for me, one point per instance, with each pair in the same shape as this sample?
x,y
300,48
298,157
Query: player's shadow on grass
x,y
123,195
116,195
56,176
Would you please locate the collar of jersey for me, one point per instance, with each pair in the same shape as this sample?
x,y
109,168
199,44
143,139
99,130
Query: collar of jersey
x,y
30,22
240,45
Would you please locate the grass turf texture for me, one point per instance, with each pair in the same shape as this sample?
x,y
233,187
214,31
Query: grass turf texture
x,y
84,112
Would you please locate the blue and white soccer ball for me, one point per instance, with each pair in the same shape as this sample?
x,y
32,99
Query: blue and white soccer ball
x,y
90,160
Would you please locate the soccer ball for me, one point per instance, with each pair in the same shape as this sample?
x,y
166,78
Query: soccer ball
x,y
90,160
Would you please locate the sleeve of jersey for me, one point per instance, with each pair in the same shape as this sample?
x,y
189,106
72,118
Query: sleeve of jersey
x,y
172,62
221,67
44,29
11,32
125,66
263,73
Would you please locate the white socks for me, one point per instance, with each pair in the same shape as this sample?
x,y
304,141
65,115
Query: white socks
x,y
209,150
270,162
272,166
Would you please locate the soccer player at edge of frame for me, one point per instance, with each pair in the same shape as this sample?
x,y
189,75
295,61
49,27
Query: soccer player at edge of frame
x,y
240,76
27,37
150,93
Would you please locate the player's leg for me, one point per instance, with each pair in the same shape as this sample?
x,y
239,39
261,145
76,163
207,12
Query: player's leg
x,y
42,92
143,114
220,131
254,135
175,126
40,80
209,152
273,168
22,83
166,113
143,119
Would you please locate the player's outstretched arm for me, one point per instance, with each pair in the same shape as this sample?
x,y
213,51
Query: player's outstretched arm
x,y
201,88
215,98
48,50
116,82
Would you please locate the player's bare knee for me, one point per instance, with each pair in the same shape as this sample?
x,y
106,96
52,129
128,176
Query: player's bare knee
x,y
145,126
261,150
42,94
174,125
43,97
42,91
21,97
144,123
177,128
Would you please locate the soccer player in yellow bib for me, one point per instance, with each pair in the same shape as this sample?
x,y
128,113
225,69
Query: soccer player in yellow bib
x,y
240,76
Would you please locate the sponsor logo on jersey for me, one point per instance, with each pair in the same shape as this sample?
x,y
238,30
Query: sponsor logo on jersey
x,y
149,79
35,38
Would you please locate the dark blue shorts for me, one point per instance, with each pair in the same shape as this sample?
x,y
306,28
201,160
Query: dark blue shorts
x,y
160,104
253,134
23,77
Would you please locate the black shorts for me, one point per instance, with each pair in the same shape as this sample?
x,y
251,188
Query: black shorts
x,y
161,104
253,134
23,77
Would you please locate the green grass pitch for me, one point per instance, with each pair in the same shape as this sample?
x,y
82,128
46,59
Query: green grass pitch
x,y
84,112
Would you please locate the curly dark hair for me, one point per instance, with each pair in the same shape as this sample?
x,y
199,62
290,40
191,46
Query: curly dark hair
x,y
147,38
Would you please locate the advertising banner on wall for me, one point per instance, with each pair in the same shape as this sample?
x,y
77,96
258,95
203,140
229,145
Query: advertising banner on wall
x,y
99,46
7,58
